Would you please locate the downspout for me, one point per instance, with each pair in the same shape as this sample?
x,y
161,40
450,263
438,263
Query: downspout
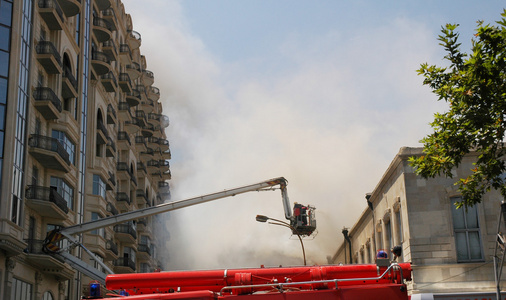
x,y
347,238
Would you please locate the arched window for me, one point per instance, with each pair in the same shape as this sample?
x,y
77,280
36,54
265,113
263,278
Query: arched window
x,y
47,296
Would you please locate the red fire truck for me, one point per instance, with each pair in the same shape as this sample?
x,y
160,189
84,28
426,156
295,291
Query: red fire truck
x,y
382,280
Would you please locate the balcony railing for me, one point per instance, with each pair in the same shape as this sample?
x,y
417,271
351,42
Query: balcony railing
x,y
122,196
47,94
126,228
141,167
49,143
111,246
111,208
124,262
123,136
102,128
46,194
144,248
68,92
111,114
46,47
53,4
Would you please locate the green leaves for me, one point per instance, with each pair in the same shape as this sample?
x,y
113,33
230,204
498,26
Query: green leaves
x,y
474,86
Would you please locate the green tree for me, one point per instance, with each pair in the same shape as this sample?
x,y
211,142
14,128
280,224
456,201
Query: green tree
x,y
474,86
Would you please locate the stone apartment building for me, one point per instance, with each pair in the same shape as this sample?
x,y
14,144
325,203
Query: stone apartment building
x,y
82,137
451,250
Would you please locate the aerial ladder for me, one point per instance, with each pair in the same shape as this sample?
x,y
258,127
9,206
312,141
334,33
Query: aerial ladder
x,y
302,224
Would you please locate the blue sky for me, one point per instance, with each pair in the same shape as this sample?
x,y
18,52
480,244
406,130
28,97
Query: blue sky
x,y
324,93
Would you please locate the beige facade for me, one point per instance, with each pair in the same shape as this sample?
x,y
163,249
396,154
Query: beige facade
x,y
82,138
450,250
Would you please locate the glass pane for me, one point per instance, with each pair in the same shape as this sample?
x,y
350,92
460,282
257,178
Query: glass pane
x,y
1,145
472,217
5,13
3,90
4,64
474,245
461,243
5,37
458,218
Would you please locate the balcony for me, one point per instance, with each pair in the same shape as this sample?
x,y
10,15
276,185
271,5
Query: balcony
x,y
132,126
69,84
154,119
125,83
111,183
109,82
148,77
167,175
141,196
147,130
123,171
111,114
140,143
102,29
52,14
153,166
147,106
110,49
142,90
49,152
134,39
47,103
141,118
109,15
48,57
110,148
164,165
125,233
143,251
124,142
70,7
133,70
45,263
111,209
100,62
123,201
124,265
147,155
47,202
164,144
125,54
133,98
111,250
153,93
166,154
141,170
103,4
164,190
102,133
152,142
124,111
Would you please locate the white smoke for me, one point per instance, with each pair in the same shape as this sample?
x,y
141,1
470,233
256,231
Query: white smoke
x,y
330,123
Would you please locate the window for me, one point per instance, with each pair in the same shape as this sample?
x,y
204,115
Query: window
x,y
101,231
67,144
47,296
64,189
98,186
466,228
21,290
398,226
388,234
96,265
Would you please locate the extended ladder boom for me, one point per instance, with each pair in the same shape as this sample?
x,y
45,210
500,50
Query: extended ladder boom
x,y
166,207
